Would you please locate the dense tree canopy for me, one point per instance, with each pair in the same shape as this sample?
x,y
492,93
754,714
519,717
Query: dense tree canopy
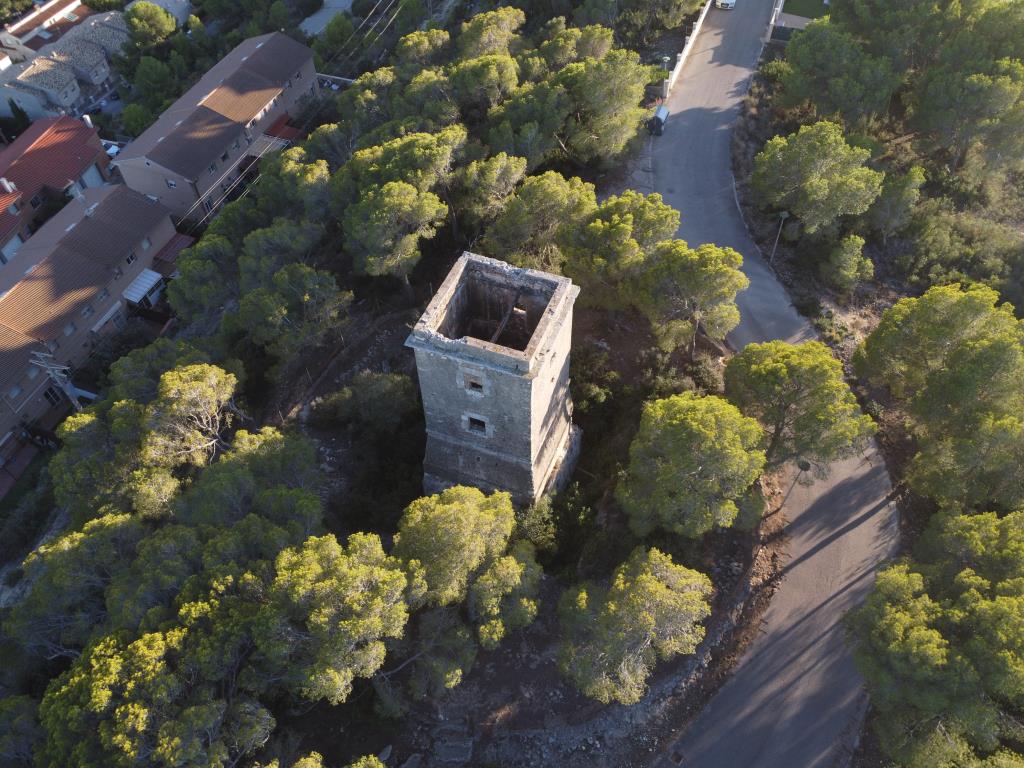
x,y
691,459
149,24
798,394
954,358
816,175
652,609
940,642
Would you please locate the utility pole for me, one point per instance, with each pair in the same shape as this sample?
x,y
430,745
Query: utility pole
x,y
60,375
782,220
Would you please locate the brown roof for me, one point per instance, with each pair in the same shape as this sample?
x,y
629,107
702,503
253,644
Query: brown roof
x,y
15,349
113,220
241,96
52,294
113,225
166,260
53,152
56,31
193,132
195,143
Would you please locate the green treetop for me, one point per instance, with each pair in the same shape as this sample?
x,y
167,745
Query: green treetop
x,y
445,539
691,459
816,175
612,637
798,394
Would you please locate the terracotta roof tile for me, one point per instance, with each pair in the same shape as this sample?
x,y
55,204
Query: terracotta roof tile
x,y
52,153
15,351
82,262
32,21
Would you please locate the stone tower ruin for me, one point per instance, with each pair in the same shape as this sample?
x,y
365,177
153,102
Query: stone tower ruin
x,y
492,354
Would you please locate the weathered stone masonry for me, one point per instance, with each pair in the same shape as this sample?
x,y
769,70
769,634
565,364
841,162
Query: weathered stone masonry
x,y
492,354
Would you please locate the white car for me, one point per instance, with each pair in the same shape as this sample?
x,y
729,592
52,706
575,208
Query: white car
x,y
726,4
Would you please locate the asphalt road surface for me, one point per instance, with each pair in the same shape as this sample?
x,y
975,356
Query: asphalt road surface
x,y
795,699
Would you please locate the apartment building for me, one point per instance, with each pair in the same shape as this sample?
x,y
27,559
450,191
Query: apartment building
x,y
91,261
54,158
190,157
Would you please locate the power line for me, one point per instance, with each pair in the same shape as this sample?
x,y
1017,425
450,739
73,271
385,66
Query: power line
x,y
308,119
337,53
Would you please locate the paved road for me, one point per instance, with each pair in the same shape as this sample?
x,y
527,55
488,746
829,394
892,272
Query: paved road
x,y
795,699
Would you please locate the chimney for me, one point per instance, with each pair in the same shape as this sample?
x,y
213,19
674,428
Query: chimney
x,y
8,186
87,120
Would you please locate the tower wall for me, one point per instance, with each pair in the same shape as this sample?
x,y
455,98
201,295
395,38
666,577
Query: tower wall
x,y
497,416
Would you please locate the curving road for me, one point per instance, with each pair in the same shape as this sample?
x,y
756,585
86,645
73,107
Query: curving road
x,y
795,699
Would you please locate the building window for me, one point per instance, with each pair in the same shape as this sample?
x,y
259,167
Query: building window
x,y
70,328
88,311
52,395
130,258
477,425
36,201
207,205
224,157
171,183
118,272
12,208
288,84
298,75
237,144
53,345
32,372
146,242
104,295
213,167
473,383
10,249
15,392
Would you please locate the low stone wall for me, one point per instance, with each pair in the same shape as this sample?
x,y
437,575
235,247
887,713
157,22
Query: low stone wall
x,y
677,70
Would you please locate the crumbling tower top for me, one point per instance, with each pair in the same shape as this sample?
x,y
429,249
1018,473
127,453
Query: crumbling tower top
x,y
499,313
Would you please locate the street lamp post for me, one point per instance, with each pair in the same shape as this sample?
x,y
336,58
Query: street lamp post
x,y
783,215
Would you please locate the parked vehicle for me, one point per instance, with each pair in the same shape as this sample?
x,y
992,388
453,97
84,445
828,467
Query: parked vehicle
x,y
656,122
726,4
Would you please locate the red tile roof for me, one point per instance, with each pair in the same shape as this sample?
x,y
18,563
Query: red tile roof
x,y
280,129
165,261
39,16
53,152
56,31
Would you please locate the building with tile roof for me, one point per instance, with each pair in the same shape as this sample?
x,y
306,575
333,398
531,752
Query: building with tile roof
x,y
92,261
54,157
192,154
42,25
58,69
